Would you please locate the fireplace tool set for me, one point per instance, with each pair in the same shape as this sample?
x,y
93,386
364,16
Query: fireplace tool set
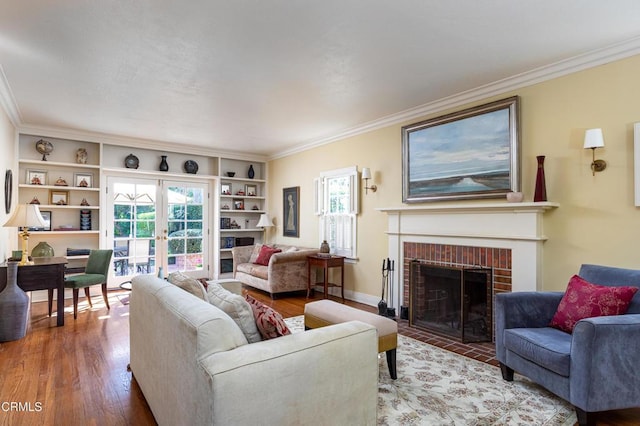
x,y
387,284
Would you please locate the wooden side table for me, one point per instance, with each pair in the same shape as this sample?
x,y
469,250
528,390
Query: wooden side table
x,y
325,262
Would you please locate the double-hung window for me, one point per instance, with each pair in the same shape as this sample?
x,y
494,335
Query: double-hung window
x,y
337,208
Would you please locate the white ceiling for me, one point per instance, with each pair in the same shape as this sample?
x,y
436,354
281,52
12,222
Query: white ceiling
x,y
271,76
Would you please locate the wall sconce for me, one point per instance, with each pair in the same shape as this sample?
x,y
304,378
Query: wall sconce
x,y
366,175
593,139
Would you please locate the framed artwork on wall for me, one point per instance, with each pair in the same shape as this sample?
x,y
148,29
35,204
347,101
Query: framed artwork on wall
x,y
474,153
636,155
291,212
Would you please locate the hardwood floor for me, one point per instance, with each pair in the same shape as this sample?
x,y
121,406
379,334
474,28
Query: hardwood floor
x,y
77,374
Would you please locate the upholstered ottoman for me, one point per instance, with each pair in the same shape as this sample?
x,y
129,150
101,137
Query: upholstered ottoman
x,y
327,312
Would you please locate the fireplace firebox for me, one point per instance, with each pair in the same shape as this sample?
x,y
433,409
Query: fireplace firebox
x,y
450,300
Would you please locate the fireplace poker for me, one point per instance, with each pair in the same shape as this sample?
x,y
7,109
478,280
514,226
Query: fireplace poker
x,y
382,304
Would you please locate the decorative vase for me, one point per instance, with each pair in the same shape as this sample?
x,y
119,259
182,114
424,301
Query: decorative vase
x,y
540,193
14,304
324,247
251,173
42,249
164,166
81,156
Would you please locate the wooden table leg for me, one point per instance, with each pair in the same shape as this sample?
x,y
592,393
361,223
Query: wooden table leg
x,y
60,312
342,281
326,281
308,278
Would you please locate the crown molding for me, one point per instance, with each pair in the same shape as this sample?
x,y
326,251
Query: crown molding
x,y
7,101
572,65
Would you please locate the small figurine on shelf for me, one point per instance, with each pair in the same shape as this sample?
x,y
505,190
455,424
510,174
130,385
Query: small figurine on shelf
x,y
61,182
83,183
84,202
34,201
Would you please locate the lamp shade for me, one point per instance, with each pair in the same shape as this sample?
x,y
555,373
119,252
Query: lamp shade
x,y
265,221
26,215
366,173
593,138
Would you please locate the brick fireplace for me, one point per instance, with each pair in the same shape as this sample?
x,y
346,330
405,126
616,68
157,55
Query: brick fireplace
x,y
455,258
506,237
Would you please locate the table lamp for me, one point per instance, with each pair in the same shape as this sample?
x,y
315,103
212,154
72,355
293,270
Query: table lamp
x,y
25,216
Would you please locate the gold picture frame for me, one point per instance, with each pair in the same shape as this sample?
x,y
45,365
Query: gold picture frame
x,y
58,198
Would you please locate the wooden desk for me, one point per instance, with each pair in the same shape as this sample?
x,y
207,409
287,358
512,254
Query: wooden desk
x,y
325,262
46,273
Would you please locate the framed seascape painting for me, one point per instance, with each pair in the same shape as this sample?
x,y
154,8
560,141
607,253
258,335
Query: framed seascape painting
x,y
291,211
474,153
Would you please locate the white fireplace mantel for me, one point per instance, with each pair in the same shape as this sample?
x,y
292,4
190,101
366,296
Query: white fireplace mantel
x,y
515,226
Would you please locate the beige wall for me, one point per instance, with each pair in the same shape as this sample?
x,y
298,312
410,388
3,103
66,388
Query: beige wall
x,y
8,160
597,221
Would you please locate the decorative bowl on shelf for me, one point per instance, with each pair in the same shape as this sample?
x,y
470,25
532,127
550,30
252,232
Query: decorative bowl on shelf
x,y
515,197
231,174
190,167
131,162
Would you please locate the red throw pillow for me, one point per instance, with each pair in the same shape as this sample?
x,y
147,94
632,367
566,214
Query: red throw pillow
x,y
265,254
586,300
269,322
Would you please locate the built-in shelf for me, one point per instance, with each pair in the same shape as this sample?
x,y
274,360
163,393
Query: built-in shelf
x,y
48,164
56,232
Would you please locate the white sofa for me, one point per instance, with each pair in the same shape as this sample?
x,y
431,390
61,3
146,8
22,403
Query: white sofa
x,y
287,271
195,367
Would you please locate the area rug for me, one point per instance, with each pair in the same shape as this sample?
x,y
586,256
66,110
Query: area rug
x,y
438,387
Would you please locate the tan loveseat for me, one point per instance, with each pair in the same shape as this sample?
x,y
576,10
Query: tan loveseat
x,y
287,271
195,367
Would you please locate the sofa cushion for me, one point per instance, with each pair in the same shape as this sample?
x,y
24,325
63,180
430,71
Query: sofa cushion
x,y
188,284
547,347
586,300
255,253
259,271
269,322
265,254
237,308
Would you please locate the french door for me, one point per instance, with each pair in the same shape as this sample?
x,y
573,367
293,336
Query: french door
x,y
157,224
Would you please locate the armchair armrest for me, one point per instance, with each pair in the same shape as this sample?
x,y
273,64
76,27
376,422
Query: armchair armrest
x,y
291,256
240,254
605,355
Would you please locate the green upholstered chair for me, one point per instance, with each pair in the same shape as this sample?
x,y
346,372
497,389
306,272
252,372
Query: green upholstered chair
x,y
96,272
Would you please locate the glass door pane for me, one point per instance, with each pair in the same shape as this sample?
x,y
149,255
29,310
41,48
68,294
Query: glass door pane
x,y
133,204
186,216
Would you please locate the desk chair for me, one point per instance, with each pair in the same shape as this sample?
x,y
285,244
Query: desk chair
x,y
96,272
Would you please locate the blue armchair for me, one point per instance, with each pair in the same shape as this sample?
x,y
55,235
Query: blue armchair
x,y
597,368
